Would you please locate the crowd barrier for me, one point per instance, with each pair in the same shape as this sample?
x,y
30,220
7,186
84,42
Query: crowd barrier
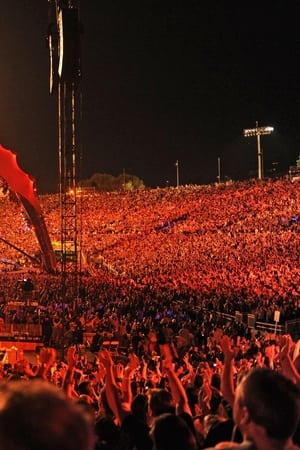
x,y
250,321
33,332
292,327
20,331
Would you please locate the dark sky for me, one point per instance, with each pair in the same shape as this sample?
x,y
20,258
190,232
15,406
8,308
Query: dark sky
x,y
162,80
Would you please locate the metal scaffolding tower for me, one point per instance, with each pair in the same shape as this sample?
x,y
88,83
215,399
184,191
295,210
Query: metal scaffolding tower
x,y
65,76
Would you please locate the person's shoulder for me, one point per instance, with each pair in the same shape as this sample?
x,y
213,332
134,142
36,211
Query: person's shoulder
x,y
246,445
292,446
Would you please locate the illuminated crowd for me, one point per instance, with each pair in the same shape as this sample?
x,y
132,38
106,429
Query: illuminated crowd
x,y
230,247
161,271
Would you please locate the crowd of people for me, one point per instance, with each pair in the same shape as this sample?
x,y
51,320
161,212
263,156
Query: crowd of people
x,y
160,271
162,400
227,247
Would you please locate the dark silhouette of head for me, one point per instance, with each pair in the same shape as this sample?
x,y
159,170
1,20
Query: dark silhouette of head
x,y
268,400
36,415
171,432
160,402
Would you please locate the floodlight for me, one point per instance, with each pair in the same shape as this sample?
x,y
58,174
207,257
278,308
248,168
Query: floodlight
x,y
258,131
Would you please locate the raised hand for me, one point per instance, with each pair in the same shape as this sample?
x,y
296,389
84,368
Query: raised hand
x,y
286,346
47,356
105,357
133,362
119,371
226,346
72,356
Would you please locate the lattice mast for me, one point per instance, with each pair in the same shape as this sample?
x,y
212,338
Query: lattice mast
x,y
65,76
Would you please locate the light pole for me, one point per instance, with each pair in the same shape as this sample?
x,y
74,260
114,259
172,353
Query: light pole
x,y
124,179
258,131
219,169
177,173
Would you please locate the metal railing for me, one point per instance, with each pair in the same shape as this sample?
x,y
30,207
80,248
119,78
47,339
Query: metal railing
x,y
33,331
20,331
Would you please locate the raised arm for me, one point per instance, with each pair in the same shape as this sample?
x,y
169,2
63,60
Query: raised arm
x,y
113,391
46,359
177,389
132,365
287,365
227,376
72,358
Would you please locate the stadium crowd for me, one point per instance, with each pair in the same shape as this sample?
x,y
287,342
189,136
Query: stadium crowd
x,y
158,268
243,399
225,247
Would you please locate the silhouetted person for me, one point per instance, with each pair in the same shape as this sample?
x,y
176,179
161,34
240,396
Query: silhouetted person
x,y
266,410
35,415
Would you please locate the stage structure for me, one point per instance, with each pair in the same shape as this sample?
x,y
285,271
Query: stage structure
x,y
22,185
65,76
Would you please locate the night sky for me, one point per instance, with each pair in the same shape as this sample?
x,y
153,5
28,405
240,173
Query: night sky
x,y
162,81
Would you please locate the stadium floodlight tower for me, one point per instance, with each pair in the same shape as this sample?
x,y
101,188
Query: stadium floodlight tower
x,y
258,131
65,77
